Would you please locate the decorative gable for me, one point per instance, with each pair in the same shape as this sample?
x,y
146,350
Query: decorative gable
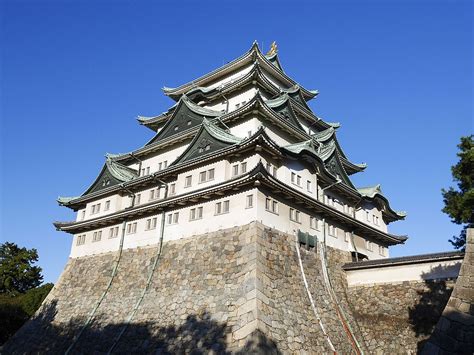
x,y
111,174
209,139
185,117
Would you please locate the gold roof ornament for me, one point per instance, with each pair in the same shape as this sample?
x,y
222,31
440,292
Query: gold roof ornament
x,y
273,49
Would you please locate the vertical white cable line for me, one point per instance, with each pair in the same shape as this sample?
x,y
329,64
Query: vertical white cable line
x,y
313,306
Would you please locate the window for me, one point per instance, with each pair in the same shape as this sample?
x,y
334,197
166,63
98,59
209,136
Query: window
x,y
331,230
143,172
295,179
132,228
210,174
195,213
188,180
206,175
83,214
314,223
376,220
235,170
347,236
173,189
249,201
107,205
165,164
369,245
367,215
249,134
148,170
81,239
237,105
95,208
138,197
113,232
222,207
309,186
381,250
271,205
243,168
154,194
173,218
97,236
151,223
160,166
295,215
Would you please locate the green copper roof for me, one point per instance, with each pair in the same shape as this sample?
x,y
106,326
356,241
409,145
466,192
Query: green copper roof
x,y
246,59
370,191
308,145
324,135
187,115
112,173
208,140
373,191
219,133
65,200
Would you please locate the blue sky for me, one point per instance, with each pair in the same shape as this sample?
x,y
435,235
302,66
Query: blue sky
x,y
75,74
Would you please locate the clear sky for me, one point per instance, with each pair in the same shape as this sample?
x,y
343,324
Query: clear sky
x,y
75,74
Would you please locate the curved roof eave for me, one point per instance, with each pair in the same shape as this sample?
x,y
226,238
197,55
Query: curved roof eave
x,y
244,59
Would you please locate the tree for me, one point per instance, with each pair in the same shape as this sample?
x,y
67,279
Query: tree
x,y
17,274
15,311
459,202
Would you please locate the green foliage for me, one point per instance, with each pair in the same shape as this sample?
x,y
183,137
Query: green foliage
x,y
17,274
16,310
459,202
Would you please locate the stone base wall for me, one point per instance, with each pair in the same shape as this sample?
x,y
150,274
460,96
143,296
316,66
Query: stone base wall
x,y
238,290
454,332
234,291
398,318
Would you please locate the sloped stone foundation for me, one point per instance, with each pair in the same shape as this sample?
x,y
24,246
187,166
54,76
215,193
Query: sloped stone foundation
x,y
238,290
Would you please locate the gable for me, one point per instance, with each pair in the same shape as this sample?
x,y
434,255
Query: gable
x,y
182,120
334,166
203,144
104,180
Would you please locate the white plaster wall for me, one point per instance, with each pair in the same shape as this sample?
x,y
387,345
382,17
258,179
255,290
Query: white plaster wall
x,y
115,205
278,136
284,174
232,77
243,127
408,272
237,97
274,80
106,244
170,154
282,222
238,214
361,216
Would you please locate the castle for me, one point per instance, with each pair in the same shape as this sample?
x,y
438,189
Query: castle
x,y
237,228
240,144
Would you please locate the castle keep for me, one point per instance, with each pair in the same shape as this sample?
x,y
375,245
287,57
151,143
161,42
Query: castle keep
x,y
237,229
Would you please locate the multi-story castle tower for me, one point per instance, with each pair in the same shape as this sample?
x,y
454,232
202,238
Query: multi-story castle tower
x,y
234,230
241,144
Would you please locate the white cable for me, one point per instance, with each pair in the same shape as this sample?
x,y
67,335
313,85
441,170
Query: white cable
x,y
313,306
